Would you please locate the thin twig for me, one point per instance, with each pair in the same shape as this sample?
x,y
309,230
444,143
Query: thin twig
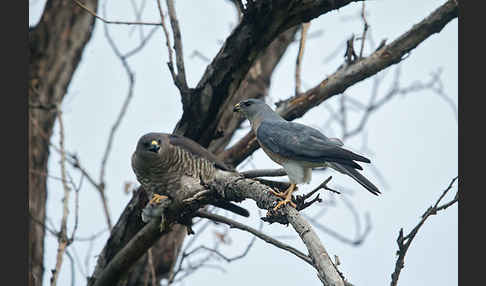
x,y
365,29
73,272
170,64
181,73
151,266
300,54
112,22
142,44
62,236
131,83
264,237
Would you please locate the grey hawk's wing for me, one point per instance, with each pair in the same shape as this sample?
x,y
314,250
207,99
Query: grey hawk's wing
x,y
303,143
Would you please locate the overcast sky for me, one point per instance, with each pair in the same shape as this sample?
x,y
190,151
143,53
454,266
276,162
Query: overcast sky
x,y
411,141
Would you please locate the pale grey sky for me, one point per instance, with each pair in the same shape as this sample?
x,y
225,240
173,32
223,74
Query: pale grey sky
x,y
412,141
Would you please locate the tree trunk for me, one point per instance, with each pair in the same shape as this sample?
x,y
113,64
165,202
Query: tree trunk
x,y
55,48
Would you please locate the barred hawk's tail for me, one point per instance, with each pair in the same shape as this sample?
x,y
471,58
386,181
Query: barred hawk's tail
x,y
232,208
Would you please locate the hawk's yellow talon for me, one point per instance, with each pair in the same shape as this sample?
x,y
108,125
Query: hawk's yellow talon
x,y
279,194
157,199
286,195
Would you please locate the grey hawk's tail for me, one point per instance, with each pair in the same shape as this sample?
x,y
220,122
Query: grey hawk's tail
x,y
353,173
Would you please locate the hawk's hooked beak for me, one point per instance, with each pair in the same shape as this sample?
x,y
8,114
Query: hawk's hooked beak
x,y
154,146
236,108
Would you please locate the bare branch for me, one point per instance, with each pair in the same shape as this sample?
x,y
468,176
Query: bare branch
x,y
264,237
170,64
300,54
142,44
365,29
264,173
62,236
405,241
114,128
181,73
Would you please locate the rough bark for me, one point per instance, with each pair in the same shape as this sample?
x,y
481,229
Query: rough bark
x,y
55,48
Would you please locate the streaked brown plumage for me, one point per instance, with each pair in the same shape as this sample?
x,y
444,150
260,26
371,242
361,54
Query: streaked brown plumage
x,y
160,160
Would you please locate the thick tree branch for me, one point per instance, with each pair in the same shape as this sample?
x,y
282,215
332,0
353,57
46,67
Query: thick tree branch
x,y
227,186
349,75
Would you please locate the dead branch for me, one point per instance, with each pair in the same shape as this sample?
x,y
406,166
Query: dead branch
x,y
62,236
405,241
181,82
170,64
264,237
300,54
264,173
365,30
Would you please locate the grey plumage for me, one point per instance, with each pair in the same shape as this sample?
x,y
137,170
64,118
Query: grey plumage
x,y
299,148
160,160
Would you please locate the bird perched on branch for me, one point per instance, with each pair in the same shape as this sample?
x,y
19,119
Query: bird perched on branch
x,y
299,148
160,160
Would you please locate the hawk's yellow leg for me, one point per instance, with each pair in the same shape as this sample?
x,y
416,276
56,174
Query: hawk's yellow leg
x,y
157,199
286,195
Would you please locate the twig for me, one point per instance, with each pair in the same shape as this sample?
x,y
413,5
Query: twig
x,y
355,242
181,73
73,272
151,266
170,64
76,207
264,237
138,16
350,55
298,62
131,82
365,29
62,236
405,241
142,44
112,22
